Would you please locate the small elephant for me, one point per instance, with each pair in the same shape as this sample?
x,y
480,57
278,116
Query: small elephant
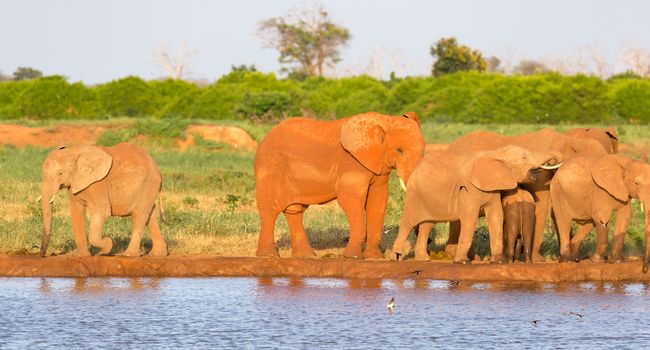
x,y
518,223
545,140
104,181
448,187
303,161
589,190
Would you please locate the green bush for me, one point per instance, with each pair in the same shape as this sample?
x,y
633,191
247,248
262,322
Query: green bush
x,y
53,97
130,96
466,97
630,100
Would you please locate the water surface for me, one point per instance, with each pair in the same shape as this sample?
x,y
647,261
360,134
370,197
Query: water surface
x,y
50,313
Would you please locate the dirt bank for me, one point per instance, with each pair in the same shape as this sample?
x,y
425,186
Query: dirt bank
x,y
72,135
195,266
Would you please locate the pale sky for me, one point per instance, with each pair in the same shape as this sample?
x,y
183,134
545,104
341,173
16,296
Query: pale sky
x,y
98,41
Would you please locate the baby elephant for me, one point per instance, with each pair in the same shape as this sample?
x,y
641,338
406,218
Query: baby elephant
x,y
518,223
448,187
104,181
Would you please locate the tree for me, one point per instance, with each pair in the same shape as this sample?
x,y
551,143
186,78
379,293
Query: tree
x,y
243,68
530,67
306,37
637,59
175,66
452,57
4,77
27,73
493,65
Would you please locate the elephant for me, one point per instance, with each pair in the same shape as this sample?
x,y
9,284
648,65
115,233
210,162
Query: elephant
x,y
104,181
449,187
589,190
608,138
303,161
518,223
544,140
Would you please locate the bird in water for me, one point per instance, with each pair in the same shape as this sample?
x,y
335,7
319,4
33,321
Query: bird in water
x,y
391,305
535,322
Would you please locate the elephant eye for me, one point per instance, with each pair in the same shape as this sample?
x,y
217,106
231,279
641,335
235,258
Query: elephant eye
x,y
399,150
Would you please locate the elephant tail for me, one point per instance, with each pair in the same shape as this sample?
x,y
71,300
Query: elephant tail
x,y
160,205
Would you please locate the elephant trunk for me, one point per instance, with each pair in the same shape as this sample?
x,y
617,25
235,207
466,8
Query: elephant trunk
x,y
646,252
47,199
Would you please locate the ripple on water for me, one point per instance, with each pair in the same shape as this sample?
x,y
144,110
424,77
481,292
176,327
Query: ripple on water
x,y
52,313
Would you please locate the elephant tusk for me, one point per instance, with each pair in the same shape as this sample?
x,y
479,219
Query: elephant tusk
x,y
52,200
38,199
550,167
642,207
402,184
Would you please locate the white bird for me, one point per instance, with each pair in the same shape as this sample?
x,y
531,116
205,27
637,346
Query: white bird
x,y
391,305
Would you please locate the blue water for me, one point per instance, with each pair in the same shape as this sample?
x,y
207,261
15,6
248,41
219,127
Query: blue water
x,y
286,313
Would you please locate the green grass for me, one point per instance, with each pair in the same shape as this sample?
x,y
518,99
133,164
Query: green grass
x,y
209,200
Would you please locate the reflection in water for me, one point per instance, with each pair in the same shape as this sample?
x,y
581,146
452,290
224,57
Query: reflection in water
x,y
53,313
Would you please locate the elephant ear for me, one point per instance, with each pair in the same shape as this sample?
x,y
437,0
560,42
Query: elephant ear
x,y
609,175
489,174
92,165
365,142
412,116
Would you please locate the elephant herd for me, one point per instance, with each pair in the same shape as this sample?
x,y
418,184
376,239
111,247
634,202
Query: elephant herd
x,y
514,181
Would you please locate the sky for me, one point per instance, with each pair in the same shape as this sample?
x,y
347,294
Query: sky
x,y
98,41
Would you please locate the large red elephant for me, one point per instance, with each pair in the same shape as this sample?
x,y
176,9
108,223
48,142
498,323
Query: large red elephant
x,y
303,161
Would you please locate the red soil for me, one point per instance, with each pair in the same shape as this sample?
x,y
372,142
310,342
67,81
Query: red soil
x,y
193,266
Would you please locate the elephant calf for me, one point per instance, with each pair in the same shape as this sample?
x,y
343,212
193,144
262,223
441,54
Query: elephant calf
x,y
104,181
589,190
518,223
447,187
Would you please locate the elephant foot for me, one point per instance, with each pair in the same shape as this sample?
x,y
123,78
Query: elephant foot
x,y
106,247
615,259
422,257
498,259
303,253
267,251
450,250
352,253
538,258
132,253
567,259
597,258
159,252
395,256
372,253
81,253
462,261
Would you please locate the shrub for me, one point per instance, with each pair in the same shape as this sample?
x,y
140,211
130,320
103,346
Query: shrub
x,y
130,96
52,97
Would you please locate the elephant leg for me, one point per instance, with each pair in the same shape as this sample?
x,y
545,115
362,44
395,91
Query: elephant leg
x,y
452,240
563,226
95,235
527,229
511,230
159,245
266,240
138,222
620,230
422,241
406,225
375,213
541,211
576,241
494,215
300,247
467,227
78,216
602,234
353,206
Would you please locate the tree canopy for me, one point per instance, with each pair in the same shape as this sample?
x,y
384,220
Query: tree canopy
x,y
452,57
307,38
